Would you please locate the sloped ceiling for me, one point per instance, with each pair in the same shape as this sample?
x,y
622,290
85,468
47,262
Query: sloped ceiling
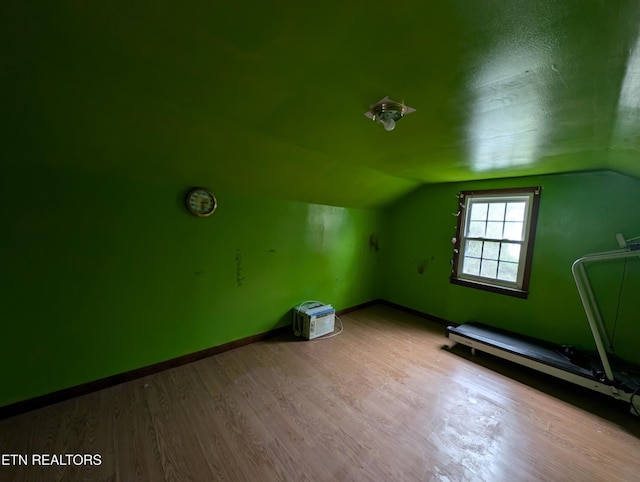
x,y
267,97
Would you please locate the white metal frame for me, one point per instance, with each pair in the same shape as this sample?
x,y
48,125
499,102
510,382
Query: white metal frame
x,y
589,302
596,324
536,365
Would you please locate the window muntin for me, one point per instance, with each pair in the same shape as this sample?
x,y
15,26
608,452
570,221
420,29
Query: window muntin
x,y
495,239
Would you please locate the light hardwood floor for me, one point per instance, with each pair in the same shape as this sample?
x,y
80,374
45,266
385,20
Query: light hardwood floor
x,y
384,401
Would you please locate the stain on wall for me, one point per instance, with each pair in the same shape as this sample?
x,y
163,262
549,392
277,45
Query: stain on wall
x,y
134,278
579,214
239,267
374,244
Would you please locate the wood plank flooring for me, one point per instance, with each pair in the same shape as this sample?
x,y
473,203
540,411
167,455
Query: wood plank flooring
x,y
387,400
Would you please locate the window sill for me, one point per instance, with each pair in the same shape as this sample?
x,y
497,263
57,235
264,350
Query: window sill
x,y
489,287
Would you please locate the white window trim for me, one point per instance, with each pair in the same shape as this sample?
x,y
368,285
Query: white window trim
x,y
466,199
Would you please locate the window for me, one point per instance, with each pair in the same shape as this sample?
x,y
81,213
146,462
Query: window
x,y
494,240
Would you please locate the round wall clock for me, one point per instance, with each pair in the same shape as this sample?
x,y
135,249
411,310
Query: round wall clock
x,y
201,202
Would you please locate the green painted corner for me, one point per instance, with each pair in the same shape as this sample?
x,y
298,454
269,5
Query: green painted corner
x,y
102,277
108,118
579,214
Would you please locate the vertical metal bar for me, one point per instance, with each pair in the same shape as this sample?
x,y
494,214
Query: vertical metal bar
x,y
578,272
595,310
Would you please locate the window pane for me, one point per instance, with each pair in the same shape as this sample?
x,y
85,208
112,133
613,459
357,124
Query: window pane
x,y
513,230
494,230
491,250
476,229
494,233
496,211
471,266
489,268
508,271
479,211
510,252
515,211
473,248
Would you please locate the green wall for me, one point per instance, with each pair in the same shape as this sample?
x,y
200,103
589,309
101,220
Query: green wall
x,y
579,214
101,276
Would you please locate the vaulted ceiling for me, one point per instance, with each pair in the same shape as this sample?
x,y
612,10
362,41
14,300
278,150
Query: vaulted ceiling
x,y
267,97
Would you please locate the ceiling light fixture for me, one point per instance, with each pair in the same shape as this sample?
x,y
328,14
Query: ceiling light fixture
x,y
387,112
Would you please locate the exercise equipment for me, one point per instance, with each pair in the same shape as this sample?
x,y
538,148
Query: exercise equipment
x,y
602,372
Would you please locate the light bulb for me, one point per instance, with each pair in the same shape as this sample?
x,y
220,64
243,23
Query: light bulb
x,y
389,124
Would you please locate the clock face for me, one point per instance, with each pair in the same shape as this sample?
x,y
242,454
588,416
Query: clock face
x,y
201,202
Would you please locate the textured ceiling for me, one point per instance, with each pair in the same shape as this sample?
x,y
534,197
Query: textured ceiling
x,y
267,98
